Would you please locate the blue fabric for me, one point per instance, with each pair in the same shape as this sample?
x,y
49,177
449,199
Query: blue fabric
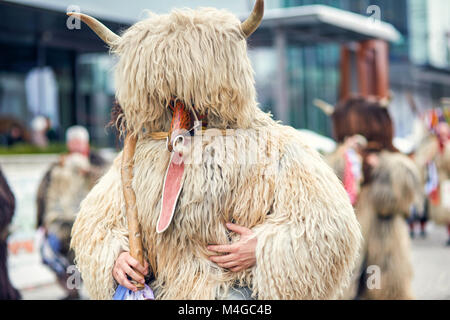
x,y
54,242
120,293
123,293
51,255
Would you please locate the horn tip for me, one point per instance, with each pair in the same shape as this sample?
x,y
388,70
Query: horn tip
x,y
252,23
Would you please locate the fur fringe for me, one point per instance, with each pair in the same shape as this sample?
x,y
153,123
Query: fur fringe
x,y
396,185
198,56
100,233
309,243
308,235
381,210
387,247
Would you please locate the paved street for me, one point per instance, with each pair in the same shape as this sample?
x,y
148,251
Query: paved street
x,y
431,261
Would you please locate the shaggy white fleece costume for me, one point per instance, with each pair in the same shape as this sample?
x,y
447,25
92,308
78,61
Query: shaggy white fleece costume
x,y
382,207
308,235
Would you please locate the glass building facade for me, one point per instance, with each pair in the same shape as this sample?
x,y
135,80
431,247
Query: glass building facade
x,y
34,39
313,71
49,70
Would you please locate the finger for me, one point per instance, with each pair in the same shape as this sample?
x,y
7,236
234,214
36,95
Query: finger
x,y
115,274
133,274
124,282
230,264
238,229
237,268
223,248
222,259
135,264
146,267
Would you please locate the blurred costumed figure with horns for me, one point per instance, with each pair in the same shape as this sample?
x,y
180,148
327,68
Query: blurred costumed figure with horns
x,y
386,188
7,206
60,193
185,208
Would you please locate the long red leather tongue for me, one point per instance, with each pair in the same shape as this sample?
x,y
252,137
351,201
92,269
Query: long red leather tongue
x,y
173,181
171,192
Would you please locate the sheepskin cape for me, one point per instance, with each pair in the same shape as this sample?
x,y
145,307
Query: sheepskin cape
x,y
384,270
261,175
308,236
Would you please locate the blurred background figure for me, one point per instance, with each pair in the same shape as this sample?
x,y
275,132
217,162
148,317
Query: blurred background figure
x,y
7,206
39,126
12,131
433,157
347,163
440,200
50,132
389,185
62,189
420,216
15,135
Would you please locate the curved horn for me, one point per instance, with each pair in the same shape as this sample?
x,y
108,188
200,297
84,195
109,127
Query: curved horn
x,y
252,23
327,108
99,28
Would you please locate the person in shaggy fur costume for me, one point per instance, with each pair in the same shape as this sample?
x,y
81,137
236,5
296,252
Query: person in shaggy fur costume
x,y
433,155
293,231
65,184
391,184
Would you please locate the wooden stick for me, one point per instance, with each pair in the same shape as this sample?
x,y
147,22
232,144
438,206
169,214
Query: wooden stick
x,y
327,108
134,230
135,237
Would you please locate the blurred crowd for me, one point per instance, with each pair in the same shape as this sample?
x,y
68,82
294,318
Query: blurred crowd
x,y
389,189
392,193
63,186
40,133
